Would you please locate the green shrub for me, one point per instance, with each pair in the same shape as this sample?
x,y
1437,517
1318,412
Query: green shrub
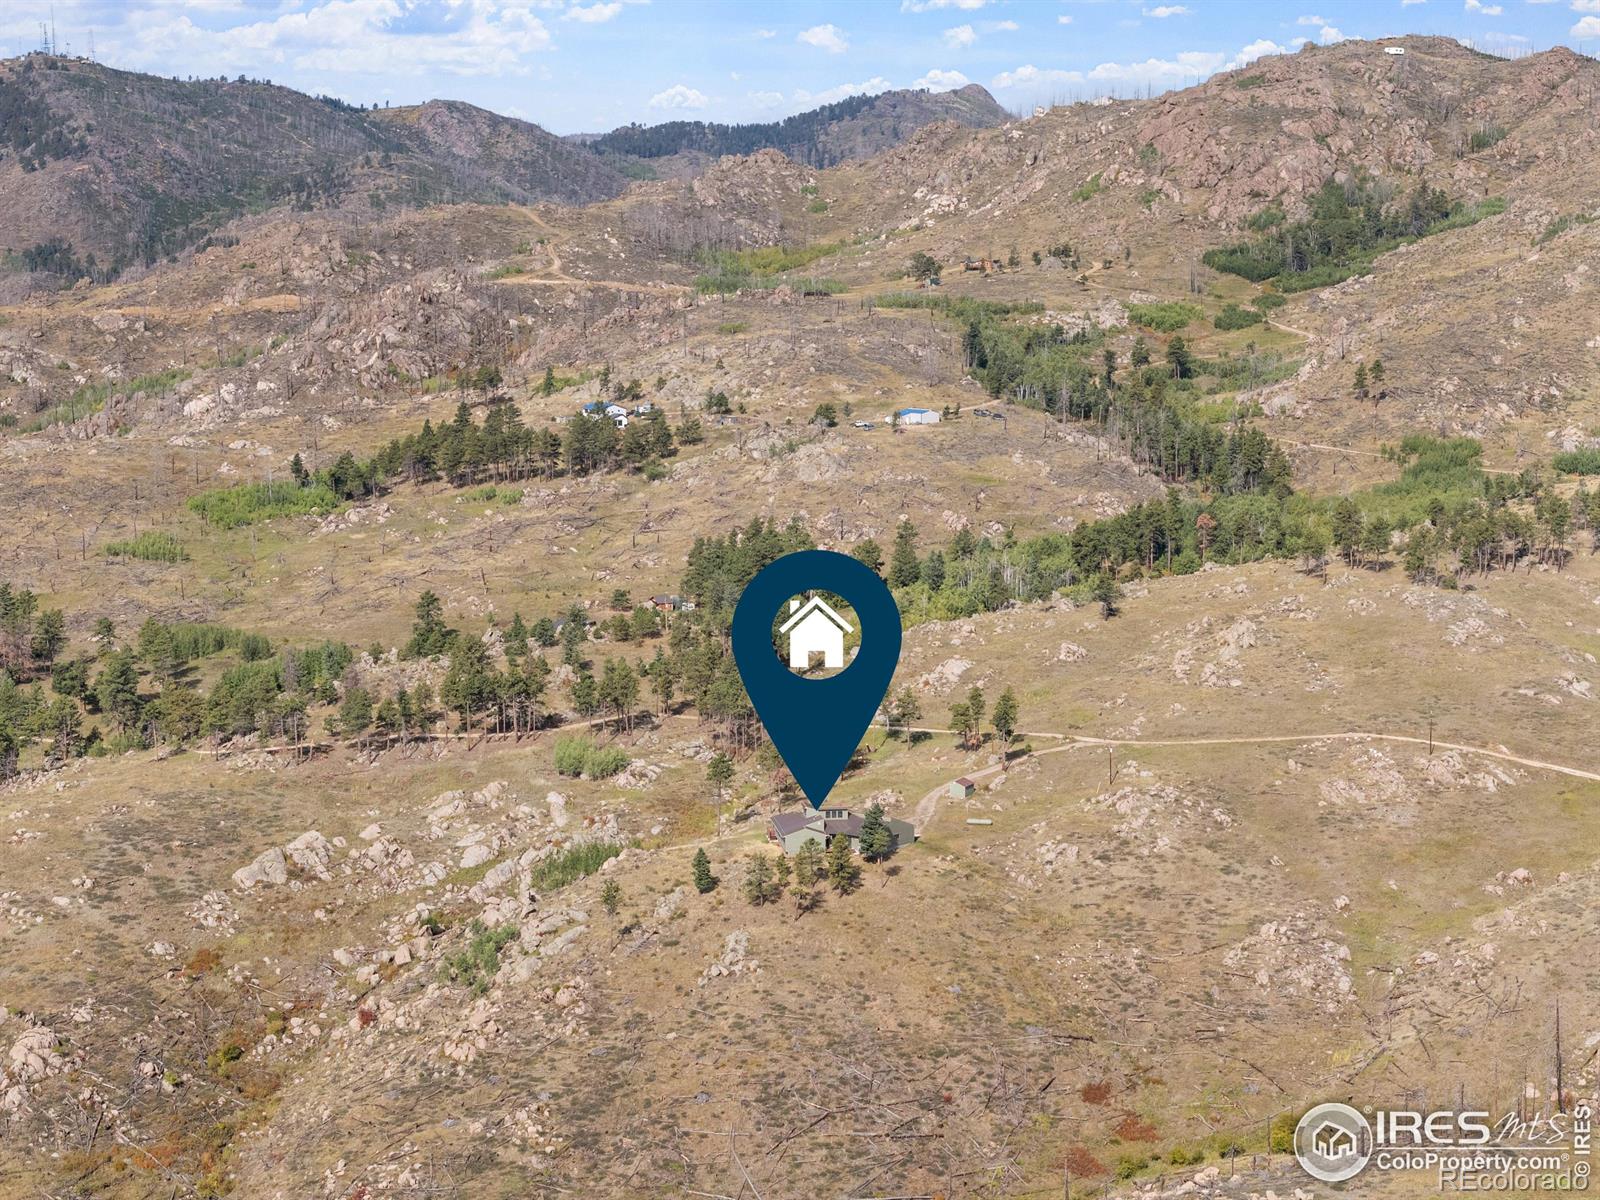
x,y
569,755
1130,1165
1485,137
248,503
1233,317
576,755
476,964
571,864
1269,217
1090,188
1245,82
605,761
1560,225
149,546
1269,300
1167,316
1579,462
765,268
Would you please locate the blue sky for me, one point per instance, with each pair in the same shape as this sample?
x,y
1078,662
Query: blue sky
x,y
589,65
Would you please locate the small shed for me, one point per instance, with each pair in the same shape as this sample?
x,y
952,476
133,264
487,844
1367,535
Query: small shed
x,y
962,788
917,416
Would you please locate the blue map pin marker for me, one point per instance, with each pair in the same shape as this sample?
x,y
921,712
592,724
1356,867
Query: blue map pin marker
x,y
816,724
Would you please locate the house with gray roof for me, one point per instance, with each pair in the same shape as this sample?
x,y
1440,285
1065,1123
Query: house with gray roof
x,y
791,830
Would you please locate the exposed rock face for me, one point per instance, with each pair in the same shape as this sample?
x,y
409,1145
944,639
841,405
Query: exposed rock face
x,y
267,867
32,1057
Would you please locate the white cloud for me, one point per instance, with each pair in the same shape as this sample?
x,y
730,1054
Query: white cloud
x,y
1259,49
1409,3
1488,10
942,81
1004,27
870,87
1162,11
1587,28
679,96
593,14
766,33
340,37
1586,6
765,99
1177,71
1326,33
932,5
824,37
960,36
1064,19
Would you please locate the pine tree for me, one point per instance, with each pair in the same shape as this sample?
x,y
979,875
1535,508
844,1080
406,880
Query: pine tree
x,y
975,710
611,896
869,554
782,870
355,712
719,771
1359,388
877,841
516,638
1179,358
1107,593
664,679
905,709
844,873
1005,719
961,721
758,884
904,568
807,870
117,690
619,690
704,880
548,386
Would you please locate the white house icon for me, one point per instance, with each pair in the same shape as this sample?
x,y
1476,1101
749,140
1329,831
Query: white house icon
x,y
1334,1141
814,629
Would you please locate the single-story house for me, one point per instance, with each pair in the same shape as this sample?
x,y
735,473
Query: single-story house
x,y
961,789
639,410
916,416
666,603
791,830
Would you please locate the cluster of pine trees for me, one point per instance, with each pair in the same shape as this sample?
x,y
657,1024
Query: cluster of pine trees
x,y
1350,223
462,452
798,136
1042,367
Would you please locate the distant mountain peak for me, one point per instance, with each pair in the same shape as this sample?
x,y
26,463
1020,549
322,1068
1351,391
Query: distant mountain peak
x,y
855,127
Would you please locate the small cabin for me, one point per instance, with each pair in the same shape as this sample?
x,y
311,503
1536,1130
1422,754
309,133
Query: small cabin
x,y
962,789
